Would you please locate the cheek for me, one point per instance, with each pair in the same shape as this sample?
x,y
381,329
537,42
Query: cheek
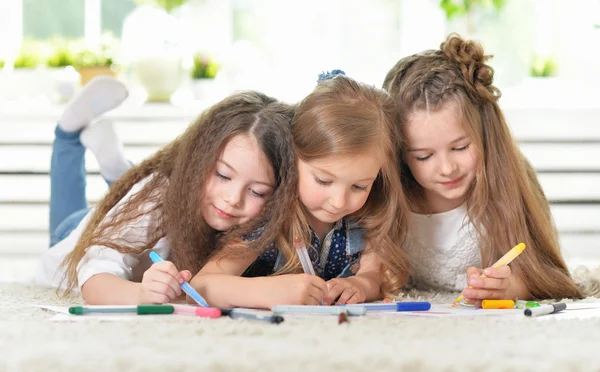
x,y
254,206
419,170
358,201
209,188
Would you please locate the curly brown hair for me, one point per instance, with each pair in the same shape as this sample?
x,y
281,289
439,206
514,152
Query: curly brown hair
x,y
506,203
176,175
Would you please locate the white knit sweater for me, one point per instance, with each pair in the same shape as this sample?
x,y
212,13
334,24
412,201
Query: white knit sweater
x,y
441,249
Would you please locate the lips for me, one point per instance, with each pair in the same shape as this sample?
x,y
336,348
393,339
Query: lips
x,y
221,213
452,183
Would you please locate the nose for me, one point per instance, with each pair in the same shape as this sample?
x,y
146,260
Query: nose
x,y
338,199
447,165
233,196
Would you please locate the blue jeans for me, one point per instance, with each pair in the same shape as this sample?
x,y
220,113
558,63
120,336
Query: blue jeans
x,y
68,203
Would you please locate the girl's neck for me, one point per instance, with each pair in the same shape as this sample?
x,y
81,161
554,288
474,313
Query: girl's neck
x,y
433,204
320,228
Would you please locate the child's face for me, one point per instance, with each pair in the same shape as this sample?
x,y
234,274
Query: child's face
x,y
333,187
440,157
239,186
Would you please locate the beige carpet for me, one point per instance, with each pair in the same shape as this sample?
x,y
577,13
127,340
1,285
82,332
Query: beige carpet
x,y
29,341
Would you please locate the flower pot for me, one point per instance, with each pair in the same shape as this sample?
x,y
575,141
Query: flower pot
x,y
88,73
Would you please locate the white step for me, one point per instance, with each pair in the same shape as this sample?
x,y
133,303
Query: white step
x,y
37,158
36,188
544,157
130,132
568,218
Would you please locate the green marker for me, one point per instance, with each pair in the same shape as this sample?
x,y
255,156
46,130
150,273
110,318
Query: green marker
x,y
136,309
520,304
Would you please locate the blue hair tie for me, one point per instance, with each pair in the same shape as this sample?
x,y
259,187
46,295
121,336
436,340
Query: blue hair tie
x,y
329,75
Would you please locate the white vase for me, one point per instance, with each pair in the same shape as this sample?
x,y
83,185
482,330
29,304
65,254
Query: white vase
x,y
153,44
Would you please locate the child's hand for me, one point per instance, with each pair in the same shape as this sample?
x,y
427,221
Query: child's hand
x,y
296,289
161,283
499,284
345,291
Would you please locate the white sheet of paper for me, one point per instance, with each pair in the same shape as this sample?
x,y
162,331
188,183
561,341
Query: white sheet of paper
x,y
447,310
56,309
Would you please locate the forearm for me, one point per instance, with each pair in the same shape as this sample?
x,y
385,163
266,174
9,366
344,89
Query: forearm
x,y
224,290
370,282
108,289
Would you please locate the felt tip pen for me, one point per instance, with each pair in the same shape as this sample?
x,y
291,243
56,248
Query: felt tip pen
x,y
252,315
308,309
187,288
545,309
204,312
503,261
303,256
394,306
135,309
520,304
498,304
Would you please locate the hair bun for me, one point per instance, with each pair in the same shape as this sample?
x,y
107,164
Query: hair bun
x,y
329,75
471,58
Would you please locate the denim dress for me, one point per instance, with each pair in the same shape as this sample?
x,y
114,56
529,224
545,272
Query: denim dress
x,y
336,256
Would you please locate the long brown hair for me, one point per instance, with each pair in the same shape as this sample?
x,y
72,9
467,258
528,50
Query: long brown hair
x,y
506,203
179,172
342,117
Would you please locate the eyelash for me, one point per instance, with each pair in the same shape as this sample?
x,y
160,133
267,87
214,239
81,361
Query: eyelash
x,y
252,192
326,183
321,182
257,194
223,177
455,149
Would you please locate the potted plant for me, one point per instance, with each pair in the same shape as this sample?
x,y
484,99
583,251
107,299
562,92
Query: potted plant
x,y
203,73
91,63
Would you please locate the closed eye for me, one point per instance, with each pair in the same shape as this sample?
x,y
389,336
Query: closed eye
x,y
223,177
360,188
257,194
423,158
322,182
462,148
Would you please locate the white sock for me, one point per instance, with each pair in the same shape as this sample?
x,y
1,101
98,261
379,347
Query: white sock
x,y
101,94
102,139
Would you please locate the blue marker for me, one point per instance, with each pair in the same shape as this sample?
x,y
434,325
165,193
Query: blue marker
x,y
187,288
395,306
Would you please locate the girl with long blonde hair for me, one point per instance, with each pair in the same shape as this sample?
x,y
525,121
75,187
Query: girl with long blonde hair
x,y
473,194
350,211
231,173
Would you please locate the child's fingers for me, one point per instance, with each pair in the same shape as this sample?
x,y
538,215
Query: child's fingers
x,y
498,272
488,283
483,294
346,295
317,282
473,271
168,280
334,292
160,292
354,299
315,296
186,275
474,302
166,267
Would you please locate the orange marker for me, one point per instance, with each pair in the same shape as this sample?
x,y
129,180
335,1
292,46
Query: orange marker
x,y
498,304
